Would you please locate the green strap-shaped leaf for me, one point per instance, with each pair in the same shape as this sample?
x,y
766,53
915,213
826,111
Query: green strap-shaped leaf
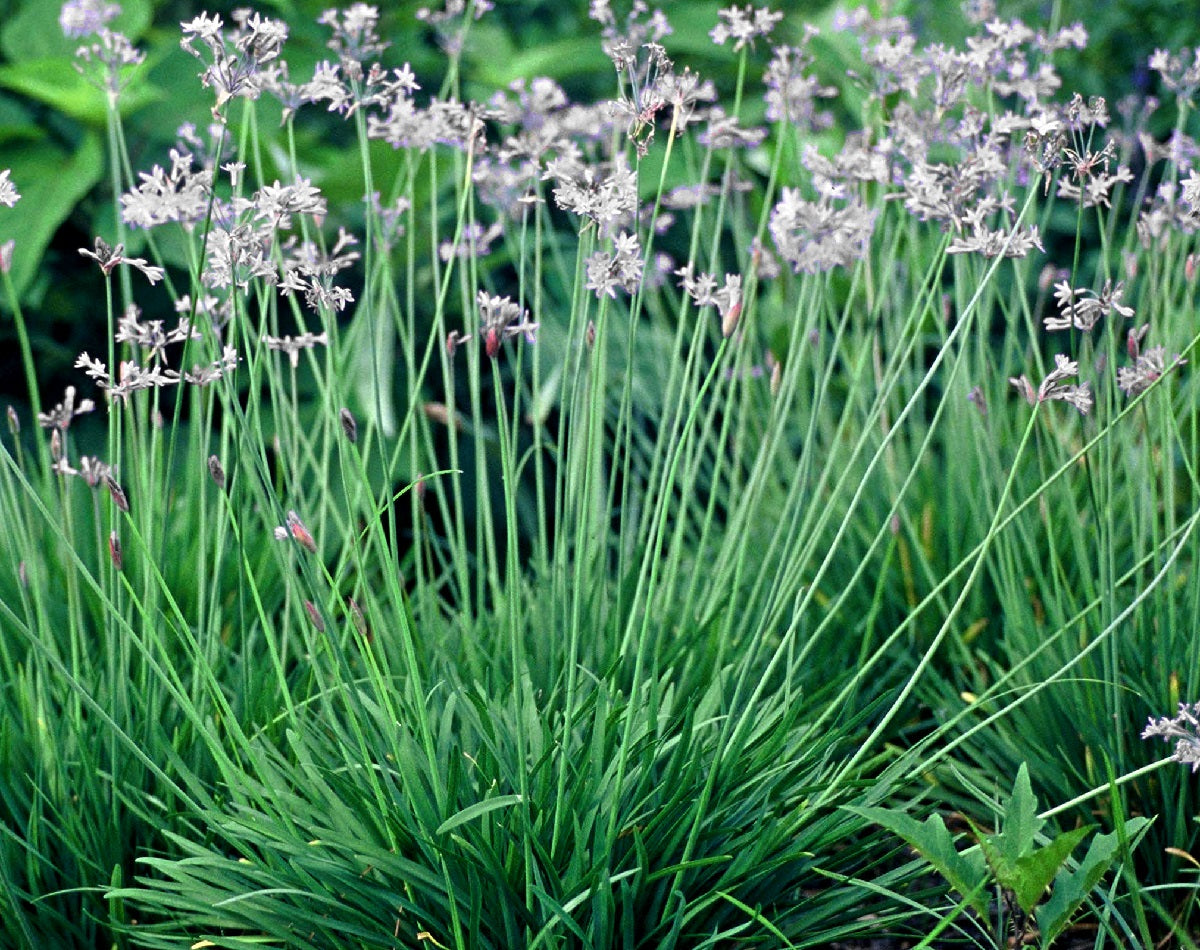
x,y
966,872
1034,872
474,811
1071,888
1020,821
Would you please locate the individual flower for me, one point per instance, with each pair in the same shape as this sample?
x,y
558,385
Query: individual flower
x,y
355,32
106,63
501,320
8,191
80,18
1054,387
151,335
182,195
1147,368
1183,729
1180,73
61,415
818,236
792,93
109,257
606,199
234,65
704,293
743,26
293,345
203,375
131,377
1083,309
310,269
621,269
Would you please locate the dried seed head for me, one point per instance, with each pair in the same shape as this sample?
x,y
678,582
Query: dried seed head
x,y
349,424
120,499
729,319
776,372
314,615
114,551
216,471
360,622
440,412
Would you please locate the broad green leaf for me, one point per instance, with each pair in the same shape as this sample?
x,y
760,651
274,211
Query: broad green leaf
x,y
1071,888
474,811
55,82
1035,871
559,58
966,872
17,122
33,31
51,181
1020,820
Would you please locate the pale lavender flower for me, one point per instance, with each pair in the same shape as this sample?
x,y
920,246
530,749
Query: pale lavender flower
x,y
501,319
355,32
309,269
743,26
726,132
792,94
1054,387
995,243
1147,368
621,269
1083,308
79,18
109,257
1180,72
449,22
293,345
203,375
818,236
277,203
181,195
131,377
1184,730
1190,191
8,191
234,65
704,293
151,336
63,413
237,256
106,63
583,190
476,242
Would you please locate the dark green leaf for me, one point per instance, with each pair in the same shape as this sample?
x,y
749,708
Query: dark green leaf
x,y
46,199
